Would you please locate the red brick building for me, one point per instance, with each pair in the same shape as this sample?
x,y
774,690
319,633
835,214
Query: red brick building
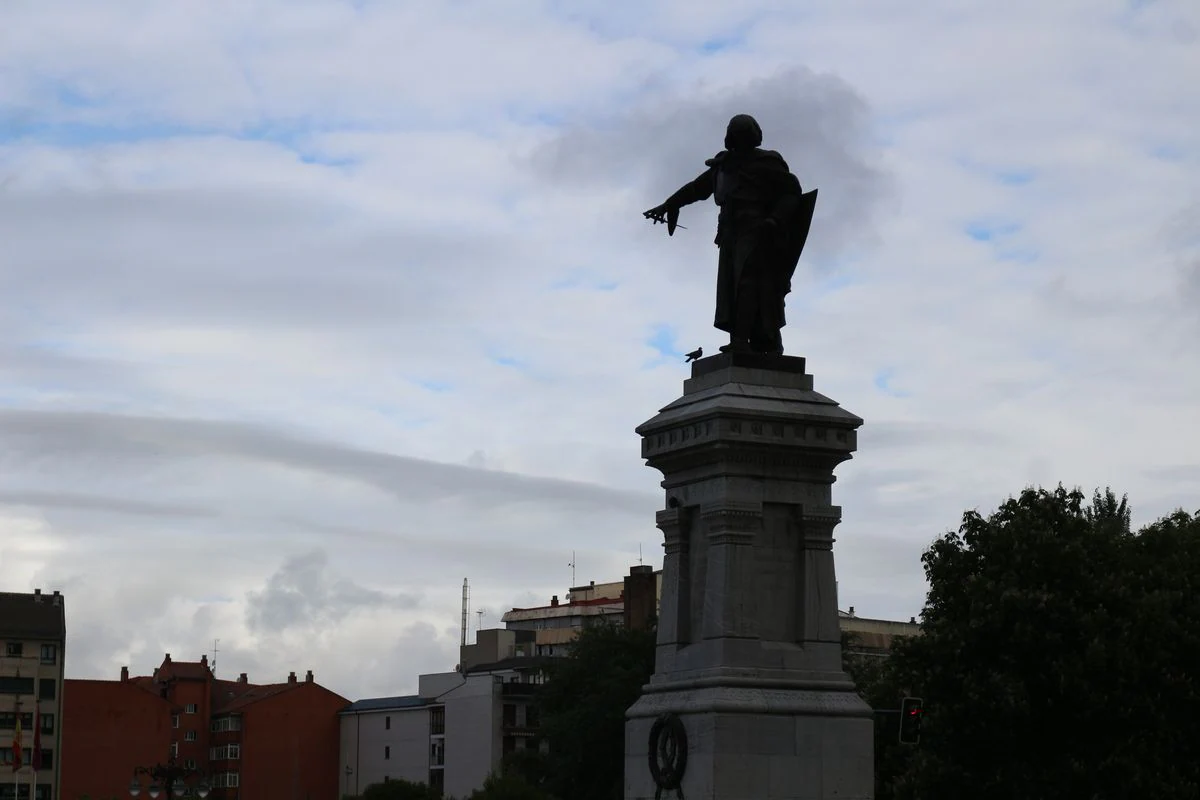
x,y
260,742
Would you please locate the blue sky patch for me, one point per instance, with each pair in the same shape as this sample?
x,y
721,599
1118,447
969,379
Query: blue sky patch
x,y
507,361
1016,177
883,382
663,340
982,231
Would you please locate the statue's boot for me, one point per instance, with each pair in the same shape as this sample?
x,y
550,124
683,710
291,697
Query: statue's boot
x,y
737,345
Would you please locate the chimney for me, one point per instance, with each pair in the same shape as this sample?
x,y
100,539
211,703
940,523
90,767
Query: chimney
x,y
554,601
639,595
308,677
291,677
204,660
912,620
167,660
37,595
852,611
242,678
124,674
57,598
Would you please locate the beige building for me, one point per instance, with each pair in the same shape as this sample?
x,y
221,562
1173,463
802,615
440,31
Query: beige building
x,y
556,625
33,631
874,637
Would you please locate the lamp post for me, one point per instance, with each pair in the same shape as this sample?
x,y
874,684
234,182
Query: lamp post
x,y
167,780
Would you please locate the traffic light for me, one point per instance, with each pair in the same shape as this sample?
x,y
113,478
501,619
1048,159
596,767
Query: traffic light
x,y
911,711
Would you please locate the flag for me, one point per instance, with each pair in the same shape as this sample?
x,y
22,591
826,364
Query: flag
x,y
16,745
36,757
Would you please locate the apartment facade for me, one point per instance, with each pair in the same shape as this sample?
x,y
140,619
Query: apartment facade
x,y
262,741
458,727
631,602
34,632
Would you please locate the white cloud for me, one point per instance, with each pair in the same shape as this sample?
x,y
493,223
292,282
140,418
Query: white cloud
x,y
339,303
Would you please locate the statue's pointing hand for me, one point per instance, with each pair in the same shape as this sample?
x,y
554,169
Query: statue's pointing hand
x,y
667,214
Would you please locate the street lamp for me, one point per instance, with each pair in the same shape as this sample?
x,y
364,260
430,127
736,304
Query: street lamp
x,y
167,780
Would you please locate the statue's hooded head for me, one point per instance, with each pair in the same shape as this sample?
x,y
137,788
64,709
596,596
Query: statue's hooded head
x,y
743,133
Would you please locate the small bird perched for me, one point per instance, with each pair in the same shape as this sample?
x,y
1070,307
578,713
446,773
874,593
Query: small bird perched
x,y
695,354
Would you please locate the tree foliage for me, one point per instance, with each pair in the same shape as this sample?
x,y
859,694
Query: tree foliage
x,y
397,789
583,710
509,785
1056,656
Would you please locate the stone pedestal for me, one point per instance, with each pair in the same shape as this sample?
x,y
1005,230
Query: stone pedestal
x,y
749,647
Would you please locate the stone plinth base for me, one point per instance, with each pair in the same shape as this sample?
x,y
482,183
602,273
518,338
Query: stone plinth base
x,y
758,743
749,665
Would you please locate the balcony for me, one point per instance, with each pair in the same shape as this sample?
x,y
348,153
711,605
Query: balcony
x,y
520,689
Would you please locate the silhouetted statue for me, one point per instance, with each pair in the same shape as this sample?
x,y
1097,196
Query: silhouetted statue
x,y
763,224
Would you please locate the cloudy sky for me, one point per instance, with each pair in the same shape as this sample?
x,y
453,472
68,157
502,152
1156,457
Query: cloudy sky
x,y
310,309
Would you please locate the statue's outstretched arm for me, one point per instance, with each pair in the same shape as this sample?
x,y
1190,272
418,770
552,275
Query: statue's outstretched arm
x,y
692,192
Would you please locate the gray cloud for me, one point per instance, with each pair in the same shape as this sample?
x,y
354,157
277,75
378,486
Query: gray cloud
x,y
68,501
303,592
127,436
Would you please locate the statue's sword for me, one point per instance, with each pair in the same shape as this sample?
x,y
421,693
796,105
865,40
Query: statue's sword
x,y
670,227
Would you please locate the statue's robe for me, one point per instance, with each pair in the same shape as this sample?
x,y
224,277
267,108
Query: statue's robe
x,y
756,263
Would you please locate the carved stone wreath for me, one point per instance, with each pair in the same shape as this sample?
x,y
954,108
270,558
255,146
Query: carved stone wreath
x,y
668,754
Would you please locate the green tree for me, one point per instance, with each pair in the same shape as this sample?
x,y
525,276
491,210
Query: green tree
x,y
878,685
583,709
1055,656
400,790
508,786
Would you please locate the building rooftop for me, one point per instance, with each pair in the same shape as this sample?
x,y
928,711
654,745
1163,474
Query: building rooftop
x,y
515,663
386,703
32,615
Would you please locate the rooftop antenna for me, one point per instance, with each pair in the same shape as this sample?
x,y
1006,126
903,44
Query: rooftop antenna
x,y
214,658
572,566
639,554
479,626
466,604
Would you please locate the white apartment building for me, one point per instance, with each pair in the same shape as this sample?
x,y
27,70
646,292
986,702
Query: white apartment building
x,y
454,732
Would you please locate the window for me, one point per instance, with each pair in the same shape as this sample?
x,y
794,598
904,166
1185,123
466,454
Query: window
x,y
437,753
437,779
174,749
14,649
47,689
387,752
174,720
531,716
47,759
221,724
225,780
7,792
8,720
189,763
437,720
225,752
190,708
49,654
510,715
190,736
11,685
387,723
47,723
